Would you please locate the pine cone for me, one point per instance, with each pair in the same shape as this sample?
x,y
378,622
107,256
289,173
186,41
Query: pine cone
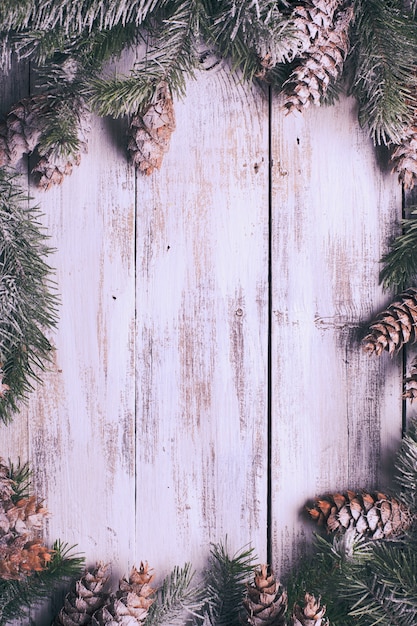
x,y
20,132
266,601
130,605
404,157
52,166
325,33
150,132
85,599
311,614
374,515
19,558
395,326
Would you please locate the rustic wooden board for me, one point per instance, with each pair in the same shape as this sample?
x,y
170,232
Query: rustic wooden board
x,y
202,270
336,414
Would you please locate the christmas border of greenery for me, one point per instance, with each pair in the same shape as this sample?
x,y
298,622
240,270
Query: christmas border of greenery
x,y
69,45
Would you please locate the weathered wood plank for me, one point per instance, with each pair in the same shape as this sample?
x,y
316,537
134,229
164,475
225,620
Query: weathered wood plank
x,y
81,421
336,414
202,329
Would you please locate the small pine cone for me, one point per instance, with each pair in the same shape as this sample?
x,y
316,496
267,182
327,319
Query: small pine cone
x,y
20,132
311,614
150,132
411,383
374,515
404,157
266,601
53,166
130,604
85,599
26,517
395,326
322,61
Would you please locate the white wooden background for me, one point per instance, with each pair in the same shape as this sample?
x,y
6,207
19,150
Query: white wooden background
x,y
209,327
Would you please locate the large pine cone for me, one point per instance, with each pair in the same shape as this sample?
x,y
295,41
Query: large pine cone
x,y
130,604
311,614
325,49
21,130
266,601
374,515
150,131
395,326
85,599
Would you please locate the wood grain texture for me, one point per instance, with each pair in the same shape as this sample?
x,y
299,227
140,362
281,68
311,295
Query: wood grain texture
x,y
202,329
336,414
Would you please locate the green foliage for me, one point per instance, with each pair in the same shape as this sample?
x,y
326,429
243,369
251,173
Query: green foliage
x,y
400,262
406,468
225,583
17,597
177,600
21,476
27,306
384,81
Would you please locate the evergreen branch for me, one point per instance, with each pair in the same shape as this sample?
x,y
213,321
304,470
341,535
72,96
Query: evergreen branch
x,y
385,49
170,56
226,580
176,600
255,35
20,474
400,263
74,17
27,307
406,468
18,596
386,594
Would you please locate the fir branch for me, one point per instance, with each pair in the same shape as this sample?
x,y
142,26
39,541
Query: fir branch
x,y
17,597
385,49
406,468
400,263
226,580
27,307
256,36
386,593
177,600
170,56
20,474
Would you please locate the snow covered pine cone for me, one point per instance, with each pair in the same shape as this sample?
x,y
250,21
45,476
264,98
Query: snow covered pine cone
x,y
130,604
311,614
324,33
266,601
150,131
85,599
374,515
395,326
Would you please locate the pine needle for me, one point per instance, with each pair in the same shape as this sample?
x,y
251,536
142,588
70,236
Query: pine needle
x,y
226,580
177,600
400,263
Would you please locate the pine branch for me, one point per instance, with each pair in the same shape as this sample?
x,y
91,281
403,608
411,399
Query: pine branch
x,y
226,580
386,594
176,601
406,467
385,49
27,307
18,596
256,36
170,56
20,474
400,263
